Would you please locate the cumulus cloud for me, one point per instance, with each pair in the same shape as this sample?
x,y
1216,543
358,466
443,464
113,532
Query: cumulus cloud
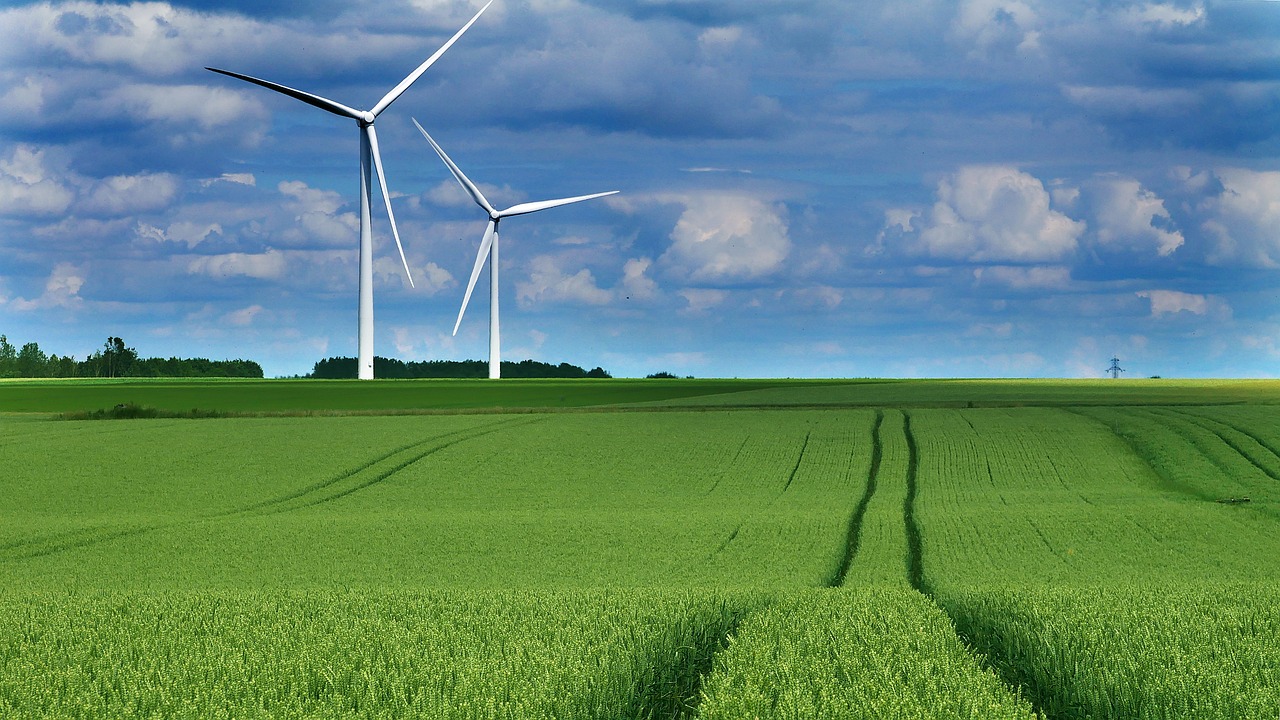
x,y
150,37
448,193
24,100
1126,100
992,24
726,237
1041,277
243,316
61,290
29,187
317,217
428,279
183,105
1244,218
126,194
636,283
701,299
820,296
233,178
1172,302
1127,216
548,283
269,265
988,213
185,232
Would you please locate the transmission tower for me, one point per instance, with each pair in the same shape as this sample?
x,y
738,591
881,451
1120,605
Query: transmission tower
x,y
1115,368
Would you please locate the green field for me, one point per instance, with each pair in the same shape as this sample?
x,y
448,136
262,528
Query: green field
x,y
641,549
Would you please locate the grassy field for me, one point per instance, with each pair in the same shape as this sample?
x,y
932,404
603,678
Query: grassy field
x,y
681,548
409,396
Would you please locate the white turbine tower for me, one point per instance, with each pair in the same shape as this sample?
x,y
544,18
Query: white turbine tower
x,y
489,248
369,156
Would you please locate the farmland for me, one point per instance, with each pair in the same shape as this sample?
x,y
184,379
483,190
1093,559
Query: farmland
x,y
605,549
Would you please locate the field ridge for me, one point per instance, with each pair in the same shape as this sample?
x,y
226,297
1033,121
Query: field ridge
x,y
853,536
915,550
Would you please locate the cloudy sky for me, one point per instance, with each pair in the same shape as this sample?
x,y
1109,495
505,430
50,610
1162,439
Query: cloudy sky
x,y
808,187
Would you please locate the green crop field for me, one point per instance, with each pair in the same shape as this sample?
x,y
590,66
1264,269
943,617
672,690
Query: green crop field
x,y
640,549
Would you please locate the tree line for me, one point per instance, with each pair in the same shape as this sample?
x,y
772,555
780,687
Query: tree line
x,y
344,368
114,359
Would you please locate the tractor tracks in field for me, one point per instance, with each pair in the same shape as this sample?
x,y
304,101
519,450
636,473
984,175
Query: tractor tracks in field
x,y
365,475
1221,430
915,543
370,473
804,446
853,534
899,479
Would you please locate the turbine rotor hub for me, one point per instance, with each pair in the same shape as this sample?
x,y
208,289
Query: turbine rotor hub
x,y
495,216
366,118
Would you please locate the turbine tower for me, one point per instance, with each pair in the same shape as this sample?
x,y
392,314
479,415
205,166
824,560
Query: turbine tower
x,y
489,248
370,158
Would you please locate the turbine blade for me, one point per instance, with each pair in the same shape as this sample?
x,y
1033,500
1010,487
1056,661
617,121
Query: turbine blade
x,y
458,175
306,97
398,90
481,256
386,197
525,208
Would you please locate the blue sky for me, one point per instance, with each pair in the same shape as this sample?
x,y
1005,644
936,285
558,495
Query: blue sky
x,y
808,188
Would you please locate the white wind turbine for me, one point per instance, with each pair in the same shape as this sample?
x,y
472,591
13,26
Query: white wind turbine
x,y
489,248
369,155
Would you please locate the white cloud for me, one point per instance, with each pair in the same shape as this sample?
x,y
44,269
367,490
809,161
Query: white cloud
x,y
61,290
316,216
192,233
547,283
428,279
989,24
636,283
154,38
183,105
821,296
234,178
243,316
727,237
126,194
264,266
1172,302
1130,217
701,300
1164,15
431,278
1040,277
1244,218
994,213
1128,99
29,187
21,102
448,193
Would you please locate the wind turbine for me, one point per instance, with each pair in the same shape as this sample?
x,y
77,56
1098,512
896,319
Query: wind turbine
x,y
369,155
489,248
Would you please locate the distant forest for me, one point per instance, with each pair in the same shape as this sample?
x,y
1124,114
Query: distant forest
x,y
114,359
344,368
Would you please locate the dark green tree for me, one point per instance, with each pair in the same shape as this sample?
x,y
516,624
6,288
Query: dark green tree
x,y
32,362
8,358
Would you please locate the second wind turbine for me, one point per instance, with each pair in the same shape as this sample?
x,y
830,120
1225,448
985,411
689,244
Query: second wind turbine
x,y
489,248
